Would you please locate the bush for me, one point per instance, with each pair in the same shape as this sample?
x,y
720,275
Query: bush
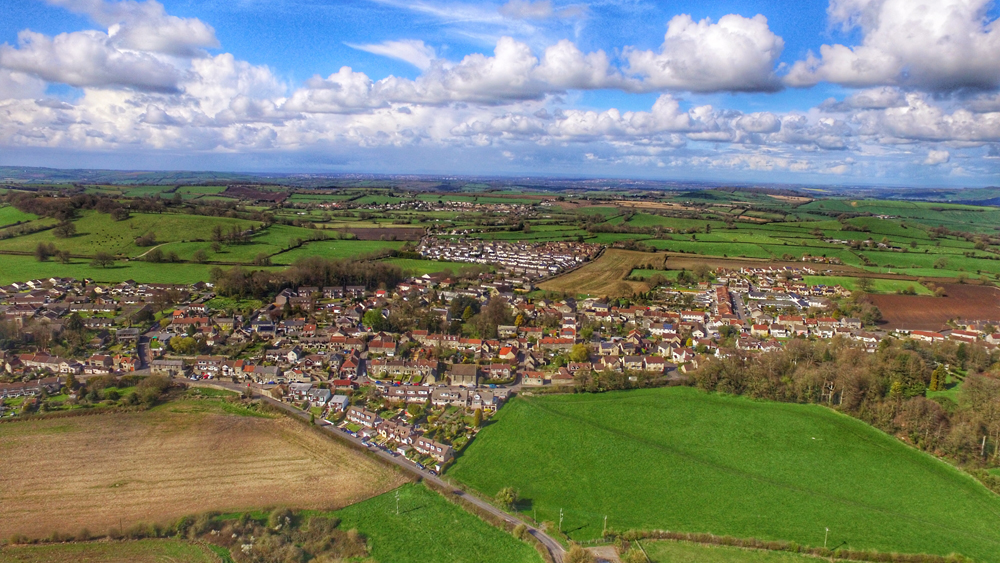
x,y
577,554
279,517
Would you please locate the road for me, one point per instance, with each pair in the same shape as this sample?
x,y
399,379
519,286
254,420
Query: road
x,y
741,308
554,548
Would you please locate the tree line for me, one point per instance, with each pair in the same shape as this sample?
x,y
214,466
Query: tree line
x,y
315,271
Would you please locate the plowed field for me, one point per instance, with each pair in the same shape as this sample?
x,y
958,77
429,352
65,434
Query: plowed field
x,y
187,457
967,302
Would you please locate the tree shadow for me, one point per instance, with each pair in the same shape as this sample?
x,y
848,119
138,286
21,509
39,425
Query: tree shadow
x,y
414,509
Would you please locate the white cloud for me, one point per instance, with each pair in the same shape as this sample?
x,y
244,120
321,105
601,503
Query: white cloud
x,y
344,92
19,85
512,73
937,157
539,10
565,66
145,26
87,58
922,120
875,98
735,54
932,44
412,51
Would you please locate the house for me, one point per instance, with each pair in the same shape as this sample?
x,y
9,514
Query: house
x,y
396,432
465,375
338,403
127,335
441,452
654,364
169,368
299,391
927,336
318,397
266,374
450,396
498,371
363,417
533,378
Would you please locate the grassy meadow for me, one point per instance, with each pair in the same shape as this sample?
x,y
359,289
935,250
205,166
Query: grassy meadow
x,y
878,285
687,552
683,460
429,528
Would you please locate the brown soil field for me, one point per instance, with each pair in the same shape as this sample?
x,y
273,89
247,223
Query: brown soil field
x,y
605,275
180,458
140,551
969,302
377,233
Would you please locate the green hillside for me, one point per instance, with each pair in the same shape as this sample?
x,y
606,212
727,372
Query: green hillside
x,y
680,459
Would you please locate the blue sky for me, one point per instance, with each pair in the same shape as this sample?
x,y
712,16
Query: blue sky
x,y
855,92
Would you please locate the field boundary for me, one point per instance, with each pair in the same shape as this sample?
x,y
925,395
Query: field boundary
x,y
784,547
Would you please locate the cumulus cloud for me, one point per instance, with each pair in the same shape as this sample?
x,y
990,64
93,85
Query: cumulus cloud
x,y
512,73
940,45
735,54
146,26
343,92
937,157
875,98
923,120
412,51
17,85
87,58
539,10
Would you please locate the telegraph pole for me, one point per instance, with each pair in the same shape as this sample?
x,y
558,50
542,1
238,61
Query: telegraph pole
x,y
397,503
826,537
560,520
605,532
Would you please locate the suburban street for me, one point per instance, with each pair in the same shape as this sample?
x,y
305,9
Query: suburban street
x,y
554,548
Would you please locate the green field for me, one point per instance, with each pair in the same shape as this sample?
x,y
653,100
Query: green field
x,y
10,216
680,459
429,528
140,551
20,268
421,267
336,249
687,552
879,285
98,232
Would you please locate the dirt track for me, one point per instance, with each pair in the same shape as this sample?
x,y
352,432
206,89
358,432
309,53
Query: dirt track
x,y
179,459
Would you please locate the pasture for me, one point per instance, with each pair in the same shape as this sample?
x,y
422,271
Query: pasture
x,y
180,458
680,459
878,285
429,528
606,274
141,551
11,216
688,552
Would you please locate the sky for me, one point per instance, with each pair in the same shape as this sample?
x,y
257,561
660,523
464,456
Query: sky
x,y
850,92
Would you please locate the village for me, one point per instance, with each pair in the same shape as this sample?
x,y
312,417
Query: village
x,y
422,392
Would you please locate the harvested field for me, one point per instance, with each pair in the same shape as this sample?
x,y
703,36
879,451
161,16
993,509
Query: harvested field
x,y
141,551
180,458
968,302
387,233
606,275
